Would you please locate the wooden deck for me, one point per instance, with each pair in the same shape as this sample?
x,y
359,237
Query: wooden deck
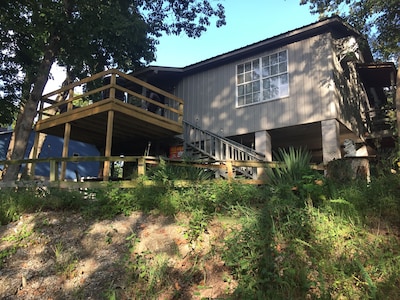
x,y
119,106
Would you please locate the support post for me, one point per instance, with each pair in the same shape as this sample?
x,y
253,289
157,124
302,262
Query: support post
x,y
263,144
53,170
31,167
107,152
229,169
113,82
67,134
330,140
141,166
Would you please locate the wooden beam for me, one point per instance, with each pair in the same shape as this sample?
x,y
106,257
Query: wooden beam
x,y
32,166
67,134
113,82
141,166
53,170
229,169
107,152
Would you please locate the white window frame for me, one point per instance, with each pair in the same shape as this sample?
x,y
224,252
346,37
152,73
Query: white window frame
x,y
262,79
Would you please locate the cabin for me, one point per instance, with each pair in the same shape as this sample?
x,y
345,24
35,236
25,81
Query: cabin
x,y
315,87
312,87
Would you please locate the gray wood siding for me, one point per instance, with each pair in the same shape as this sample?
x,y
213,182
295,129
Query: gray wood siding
x,y
210,96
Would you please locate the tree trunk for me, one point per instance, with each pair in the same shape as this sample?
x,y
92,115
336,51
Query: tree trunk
x,y
397,98
27,115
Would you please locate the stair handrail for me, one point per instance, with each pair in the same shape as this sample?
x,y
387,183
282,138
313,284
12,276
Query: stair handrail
x,y
250,151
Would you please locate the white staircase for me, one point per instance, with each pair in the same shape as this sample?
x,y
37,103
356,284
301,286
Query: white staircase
x,y
204,145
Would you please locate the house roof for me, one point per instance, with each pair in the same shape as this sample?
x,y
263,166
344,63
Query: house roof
x,y
335,25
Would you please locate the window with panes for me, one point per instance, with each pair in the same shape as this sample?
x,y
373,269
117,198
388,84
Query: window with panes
x,y
262,79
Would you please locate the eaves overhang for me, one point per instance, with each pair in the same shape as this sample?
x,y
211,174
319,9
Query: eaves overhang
x,y
335,25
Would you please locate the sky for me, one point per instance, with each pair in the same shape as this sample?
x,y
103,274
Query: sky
x,y
247,22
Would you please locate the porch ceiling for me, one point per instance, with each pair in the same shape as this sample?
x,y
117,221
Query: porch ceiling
x,y
378,74
89,123
309,135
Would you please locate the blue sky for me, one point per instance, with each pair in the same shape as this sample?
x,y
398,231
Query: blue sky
x,y
248,22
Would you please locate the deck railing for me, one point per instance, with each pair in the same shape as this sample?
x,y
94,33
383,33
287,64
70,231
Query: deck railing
x,y
111,84
379,120
218,148
142,163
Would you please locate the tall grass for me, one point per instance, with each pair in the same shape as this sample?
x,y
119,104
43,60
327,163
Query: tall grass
x,y
300,237
14,202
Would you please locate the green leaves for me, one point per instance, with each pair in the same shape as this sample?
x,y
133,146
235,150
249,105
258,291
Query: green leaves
x,y
88,36
379,20
175,17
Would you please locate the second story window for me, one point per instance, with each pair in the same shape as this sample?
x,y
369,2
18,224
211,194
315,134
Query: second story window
x,y
262,79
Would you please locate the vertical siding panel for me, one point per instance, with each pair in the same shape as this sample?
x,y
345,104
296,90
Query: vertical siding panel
x,y
307,97
210,96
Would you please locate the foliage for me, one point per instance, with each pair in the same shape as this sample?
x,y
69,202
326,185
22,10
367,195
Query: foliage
x,y
15,201
148,274
19,240
335,250
167,172
293,175
279,244
377,19
340,171
86,37
294,164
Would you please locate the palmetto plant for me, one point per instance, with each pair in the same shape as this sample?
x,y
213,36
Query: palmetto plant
x,y
168,172
294,164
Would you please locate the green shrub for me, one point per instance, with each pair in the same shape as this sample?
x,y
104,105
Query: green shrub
x,y
15,201
167,172
294,175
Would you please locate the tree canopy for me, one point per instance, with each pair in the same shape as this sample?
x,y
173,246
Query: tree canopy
x,y
378,20
86,36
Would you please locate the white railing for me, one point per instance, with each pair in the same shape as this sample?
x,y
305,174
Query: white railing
x,y
218,148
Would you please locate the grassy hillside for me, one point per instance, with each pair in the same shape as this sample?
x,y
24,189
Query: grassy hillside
x,y
302,236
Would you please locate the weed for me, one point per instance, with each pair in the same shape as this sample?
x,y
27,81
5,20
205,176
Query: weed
x,y
17,241
147,274
57,250
110,293
15,201
66,262
197,226
300,237
19,236
167,173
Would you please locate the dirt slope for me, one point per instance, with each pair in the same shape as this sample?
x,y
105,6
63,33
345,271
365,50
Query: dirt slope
x,y
61,255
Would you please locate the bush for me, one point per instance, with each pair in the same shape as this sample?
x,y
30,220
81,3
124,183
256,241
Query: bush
x,y
16,201
293,175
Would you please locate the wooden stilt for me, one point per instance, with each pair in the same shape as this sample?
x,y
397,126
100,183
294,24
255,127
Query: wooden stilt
x,y
67,134
110,123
